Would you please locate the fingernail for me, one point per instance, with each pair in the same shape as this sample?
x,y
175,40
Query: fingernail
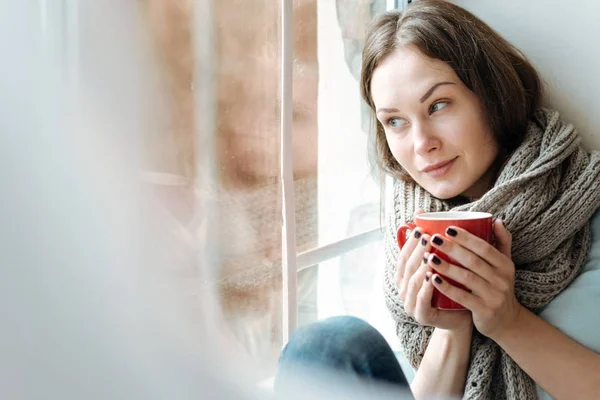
x,y
427,277
437,240
424,242
417,234
451,232
438,280
436,260
425,259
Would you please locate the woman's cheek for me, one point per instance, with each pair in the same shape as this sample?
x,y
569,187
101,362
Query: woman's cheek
x,y
399,150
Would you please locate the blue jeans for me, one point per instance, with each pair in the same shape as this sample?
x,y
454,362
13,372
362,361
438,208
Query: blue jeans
x,y
346,345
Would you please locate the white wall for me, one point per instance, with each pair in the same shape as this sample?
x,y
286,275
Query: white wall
x,y
562,39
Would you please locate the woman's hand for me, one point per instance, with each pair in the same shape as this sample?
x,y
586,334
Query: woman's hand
x,y
415,287
489,274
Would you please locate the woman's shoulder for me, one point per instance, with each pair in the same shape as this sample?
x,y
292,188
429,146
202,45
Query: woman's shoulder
x,y
575,310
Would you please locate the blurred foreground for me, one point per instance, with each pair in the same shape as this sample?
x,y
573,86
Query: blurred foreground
x,y
94,303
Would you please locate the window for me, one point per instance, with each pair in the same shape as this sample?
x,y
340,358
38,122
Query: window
x,y
280,250
291,249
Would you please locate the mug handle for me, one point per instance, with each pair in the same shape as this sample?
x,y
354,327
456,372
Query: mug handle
x,y
401,236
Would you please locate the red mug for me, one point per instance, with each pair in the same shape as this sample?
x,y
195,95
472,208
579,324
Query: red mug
x,y
477,223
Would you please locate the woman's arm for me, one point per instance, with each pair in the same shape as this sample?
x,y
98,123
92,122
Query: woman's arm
x,y
565,369
443,370
561,366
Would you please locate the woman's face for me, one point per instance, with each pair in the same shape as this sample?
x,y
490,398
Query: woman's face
x,y
434,125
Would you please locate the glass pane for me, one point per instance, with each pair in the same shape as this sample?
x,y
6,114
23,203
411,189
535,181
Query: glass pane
x,y
305,148
244,217
347,194
248,47
336,194
351,285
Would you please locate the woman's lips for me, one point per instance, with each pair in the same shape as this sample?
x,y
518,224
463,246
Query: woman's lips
x,y
441,169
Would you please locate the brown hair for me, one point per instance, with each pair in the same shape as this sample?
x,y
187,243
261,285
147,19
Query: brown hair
x,y
507,85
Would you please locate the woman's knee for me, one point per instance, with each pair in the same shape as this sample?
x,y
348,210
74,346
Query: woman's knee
x,y
332,337
345,344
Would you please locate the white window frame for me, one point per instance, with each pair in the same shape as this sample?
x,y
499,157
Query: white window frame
x,y
292,262
288,232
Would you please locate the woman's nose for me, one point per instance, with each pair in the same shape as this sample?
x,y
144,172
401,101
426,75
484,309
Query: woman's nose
x,y
424,139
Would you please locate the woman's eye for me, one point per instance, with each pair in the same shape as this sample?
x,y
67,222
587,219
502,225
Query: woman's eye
x,y
395,122
438,106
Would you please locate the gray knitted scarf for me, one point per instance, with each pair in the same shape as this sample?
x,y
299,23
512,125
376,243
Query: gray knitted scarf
x,y
545,194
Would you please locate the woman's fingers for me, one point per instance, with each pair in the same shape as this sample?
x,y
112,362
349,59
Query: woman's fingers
x,y
479,247
462,297
413,287
427,315
464,276
423,299
405,253
469,251
413,263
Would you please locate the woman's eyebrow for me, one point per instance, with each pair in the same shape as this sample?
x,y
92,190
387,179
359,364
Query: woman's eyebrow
x,y
432,89
425,97
387,110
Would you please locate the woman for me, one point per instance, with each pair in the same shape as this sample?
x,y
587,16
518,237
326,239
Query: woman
x,y
458,124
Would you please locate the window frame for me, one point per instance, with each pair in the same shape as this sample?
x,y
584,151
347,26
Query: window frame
x,y
60,23
293,262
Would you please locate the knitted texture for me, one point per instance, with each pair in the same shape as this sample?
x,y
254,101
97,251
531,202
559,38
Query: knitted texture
x,y
545,194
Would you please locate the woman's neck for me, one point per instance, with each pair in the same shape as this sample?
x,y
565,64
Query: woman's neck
x,y
480,187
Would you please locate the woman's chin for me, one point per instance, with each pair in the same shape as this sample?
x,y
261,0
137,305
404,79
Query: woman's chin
x,y
443,192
